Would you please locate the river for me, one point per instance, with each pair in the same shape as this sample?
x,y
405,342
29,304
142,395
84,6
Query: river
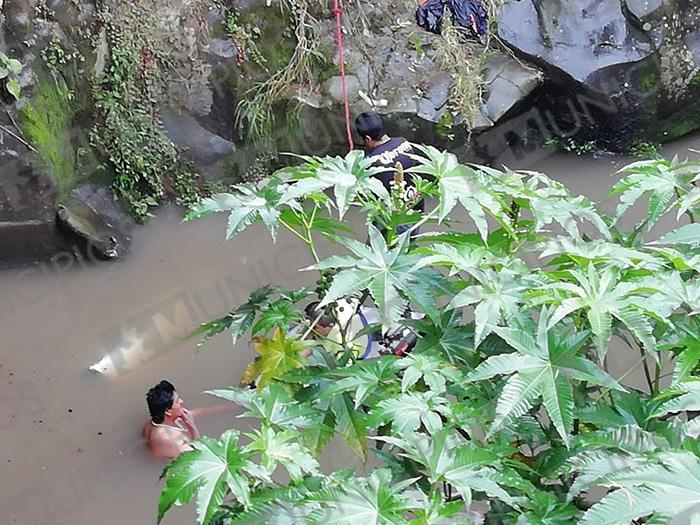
x,y
71,446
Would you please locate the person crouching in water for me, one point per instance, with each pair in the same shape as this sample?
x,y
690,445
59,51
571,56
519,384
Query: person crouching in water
x,y
171,426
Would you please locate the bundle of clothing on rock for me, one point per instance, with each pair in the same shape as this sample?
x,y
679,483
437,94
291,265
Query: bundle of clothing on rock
x,y
467,14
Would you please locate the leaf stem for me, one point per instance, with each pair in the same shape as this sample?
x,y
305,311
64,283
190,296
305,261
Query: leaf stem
x,y
422,221
292,230
657,373
606,389
308,225
643,360
306,240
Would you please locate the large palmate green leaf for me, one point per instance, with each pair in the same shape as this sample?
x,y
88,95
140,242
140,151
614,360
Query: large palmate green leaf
x,y
549,201
407,412
594,465
246,205
371,501
668,484
390,274
448,335
240,320
282,448
467,467
659,180
213,469
567,212
627,438
687,397
682,258
543,366
431,368
273,405
596,251
348,176
671,292
690,202
544,508
631,407
272,306
271,506
497,298
332,388
464,258
350,423
434,511
603,295
460,183
688,234
684,342
362,378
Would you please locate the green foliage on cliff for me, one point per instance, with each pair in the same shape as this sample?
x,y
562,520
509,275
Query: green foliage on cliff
x,y
280,57
47,121
146,164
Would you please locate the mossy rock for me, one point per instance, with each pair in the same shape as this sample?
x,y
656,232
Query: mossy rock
x,y
85,224
276,42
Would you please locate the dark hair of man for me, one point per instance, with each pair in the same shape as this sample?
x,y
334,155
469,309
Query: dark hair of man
x,y
313,311
370,125
160,399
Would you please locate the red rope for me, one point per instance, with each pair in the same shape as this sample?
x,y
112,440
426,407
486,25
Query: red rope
x,y
341,62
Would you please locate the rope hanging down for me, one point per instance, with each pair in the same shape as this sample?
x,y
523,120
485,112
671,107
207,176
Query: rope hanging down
x,y
341,62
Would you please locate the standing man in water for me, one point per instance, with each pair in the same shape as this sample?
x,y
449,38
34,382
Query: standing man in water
x,y
383,149
387,152
171,425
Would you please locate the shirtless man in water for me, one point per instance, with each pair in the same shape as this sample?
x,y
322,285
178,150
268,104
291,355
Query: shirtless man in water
x,y
171,425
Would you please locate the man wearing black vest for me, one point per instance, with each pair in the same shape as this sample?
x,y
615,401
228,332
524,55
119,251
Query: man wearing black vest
x,y
385,150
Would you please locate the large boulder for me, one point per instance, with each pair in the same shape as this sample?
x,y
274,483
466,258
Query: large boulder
x,y
509,83
92,220
616,71
207,150
35,228
579,39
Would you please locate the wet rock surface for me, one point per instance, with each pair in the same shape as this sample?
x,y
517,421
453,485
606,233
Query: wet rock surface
x,y
615,72
577,38
508,84
91,217
206,149
27,202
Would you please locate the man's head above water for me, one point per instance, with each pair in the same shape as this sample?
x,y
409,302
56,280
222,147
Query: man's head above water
x,y
325,322
164,402
370,127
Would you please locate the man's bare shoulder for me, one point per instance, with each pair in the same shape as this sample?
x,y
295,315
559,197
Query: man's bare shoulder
x,y
166,444
162,435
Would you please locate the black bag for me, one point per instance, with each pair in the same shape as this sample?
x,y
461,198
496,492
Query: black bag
x,y
429,15
468,14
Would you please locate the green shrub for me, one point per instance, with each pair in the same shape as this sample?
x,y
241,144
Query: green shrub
x,y
645,150
505,411
569,145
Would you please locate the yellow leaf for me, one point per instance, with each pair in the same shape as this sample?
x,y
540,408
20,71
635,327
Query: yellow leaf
x,y
278,355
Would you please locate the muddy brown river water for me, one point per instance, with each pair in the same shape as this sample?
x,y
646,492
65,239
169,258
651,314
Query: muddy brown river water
x,y
70,446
